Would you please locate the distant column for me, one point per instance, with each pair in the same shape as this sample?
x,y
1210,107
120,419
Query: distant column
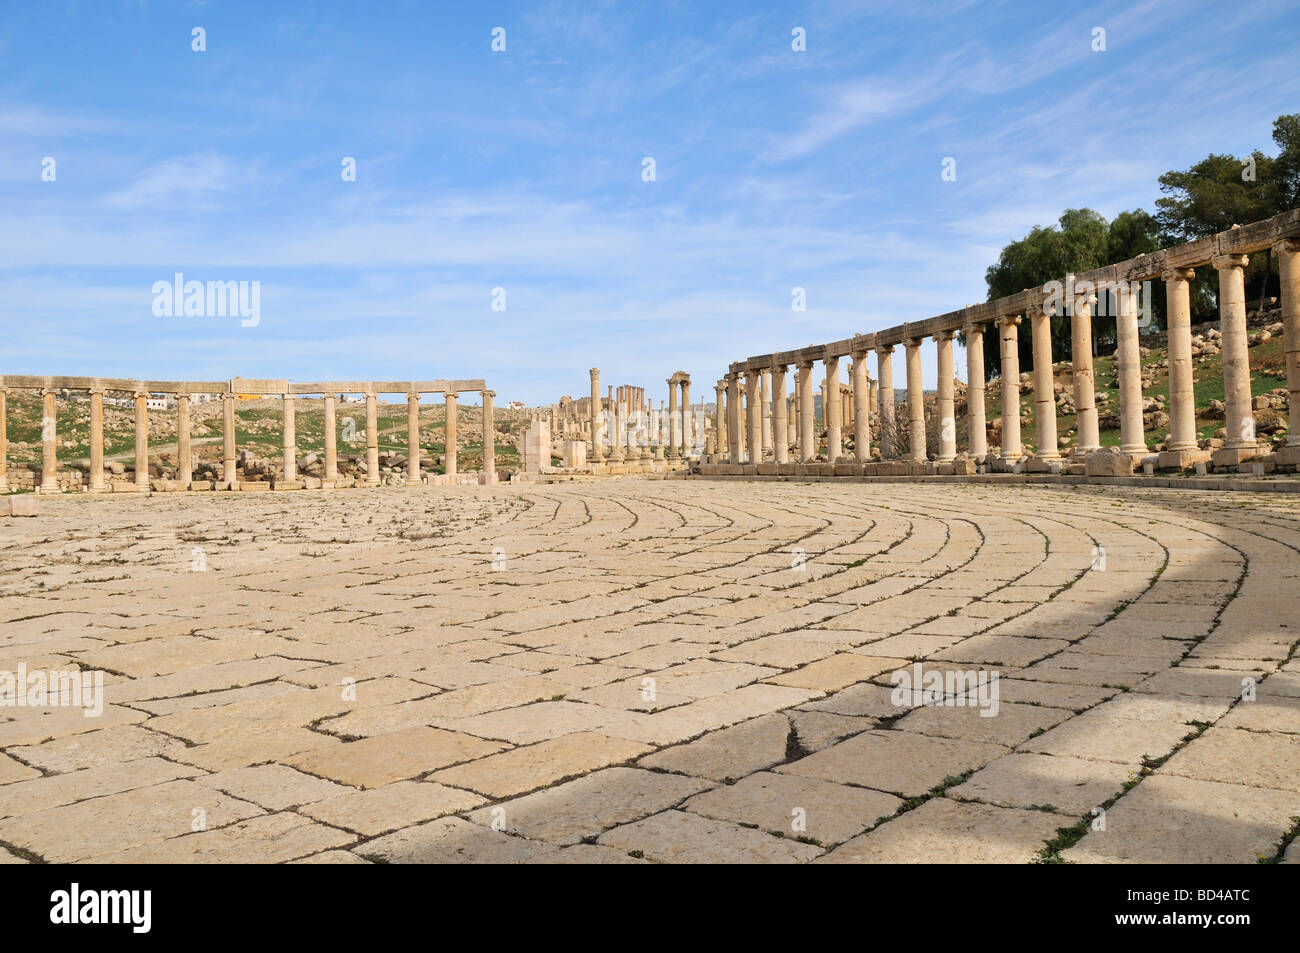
x,y
597,447
413,438
780,421
1239,417
720,417
1178,328
688,422
228,475
1088,436
1044,386
807,412
765,395
753,417
489,440
978,435
331,440
141,439
290,441
1009,352
885,374
861,408
49,443
674,422
832,407
97,439
184,449
449,431
372,439
915,400
1128,364
945,403
1288,264
733,419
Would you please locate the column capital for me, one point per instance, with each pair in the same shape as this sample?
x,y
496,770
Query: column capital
x,y
806,364
779,367
884,350
1288,246
912,342
1178,274
487,393
450,394
833,359
412,395
1007,320
944,335
973,327
99,389
49,392
1222,262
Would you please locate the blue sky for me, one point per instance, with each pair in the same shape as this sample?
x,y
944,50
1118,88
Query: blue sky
x,y
522,170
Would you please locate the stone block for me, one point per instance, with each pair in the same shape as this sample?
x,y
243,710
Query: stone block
x,y
1108,463
1231,459
286,484
1181,459
18,505
255,487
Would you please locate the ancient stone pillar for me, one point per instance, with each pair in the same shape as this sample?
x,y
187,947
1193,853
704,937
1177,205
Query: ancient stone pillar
x,y
1009,355
944,403
4,441
184,448
674,422
617,412
885,374
688,422
780,423
875,397
1239,418
96,439
1178,322
290,441
915,400
861,408
831,410
720,416
1288,264
1044,392
807,410
733,419
141,439
765,395
228,439
597,444
412,438
978,433
331,439
1128,366
1087,435
449,432
489,440
49,443
753,418
372,439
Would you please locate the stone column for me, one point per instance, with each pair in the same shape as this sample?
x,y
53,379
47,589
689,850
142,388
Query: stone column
x,y
597,444
1044,394
184,448
874,407
1288,266
141,439
765,395
489,440
1239,417
1178,323
4,441
688,423
753,418
885,374
979,435
780,420
733,419
228,440
412,438
1009,359
674,422
861,408
290,441
372,439
720,417
807,412
49,443
1128,365
1088,437
618,452
831,408
449,434
915,400
97,439
945,403
331,440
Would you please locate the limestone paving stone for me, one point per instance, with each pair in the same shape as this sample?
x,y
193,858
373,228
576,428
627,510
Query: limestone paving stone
x,y
678,837
372,762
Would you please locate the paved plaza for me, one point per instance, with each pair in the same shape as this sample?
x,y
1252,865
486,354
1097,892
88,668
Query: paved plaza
x,y
657,671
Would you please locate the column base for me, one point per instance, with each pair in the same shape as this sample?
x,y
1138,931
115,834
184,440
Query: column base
x,y
1181,459
1287,457
1042,464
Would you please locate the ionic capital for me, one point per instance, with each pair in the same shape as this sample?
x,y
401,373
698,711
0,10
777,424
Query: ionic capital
x,y
1287,246
944,336
885,350
1223,262
1178,274
1008,320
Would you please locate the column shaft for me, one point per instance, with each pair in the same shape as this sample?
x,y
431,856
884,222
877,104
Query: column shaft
x,y
1128,364
331,439
1044,393
753,418
733,419
861,408
290,439
1288,266
4,441
597,445
807,435
97,439
49,443
413,438
765,395
1178,324
489,440
831,410
449,444
141,440
945,404
885,399
915,401
372,439
228,475
184,449
978,435
780,421
1237,411
1087,435
1009,353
